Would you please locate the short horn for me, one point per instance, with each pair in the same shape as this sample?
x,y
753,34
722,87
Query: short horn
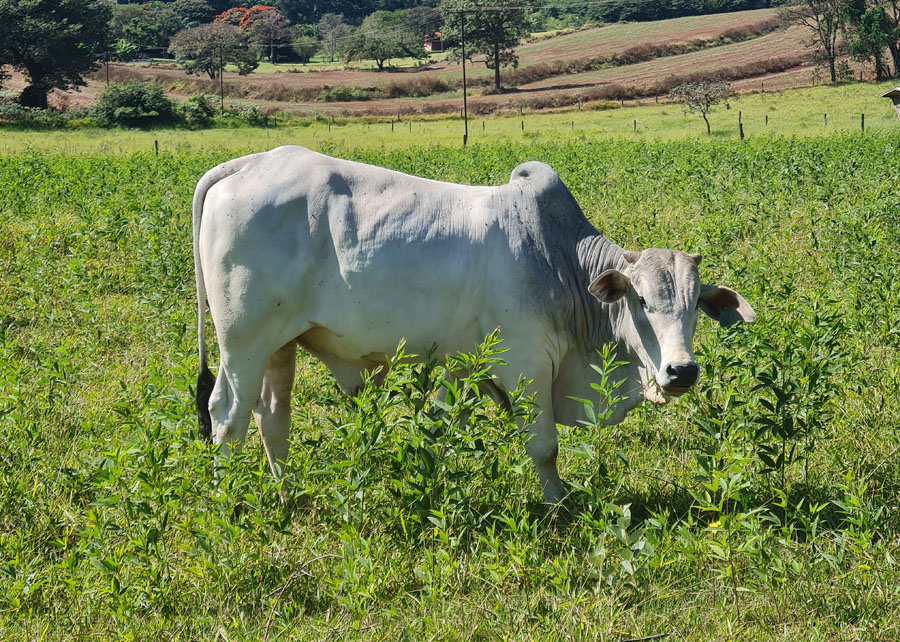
x,y
696,258
631,257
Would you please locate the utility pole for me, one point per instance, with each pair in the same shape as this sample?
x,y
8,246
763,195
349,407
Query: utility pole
x,y
221,83
462,14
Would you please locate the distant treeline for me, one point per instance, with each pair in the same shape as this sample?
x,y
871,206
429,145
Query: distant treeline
x,y
353,11
641,10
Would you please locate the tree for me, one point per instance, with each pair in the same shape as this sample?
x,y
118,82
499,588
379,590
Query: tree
x,y
872,25
825,18
149,26
701,97
208,48
53,42
892,15
869,32
332,33
427,20
234,16
271,29
256,12
384,35
493,29
305,42
123,50
193,12
218,6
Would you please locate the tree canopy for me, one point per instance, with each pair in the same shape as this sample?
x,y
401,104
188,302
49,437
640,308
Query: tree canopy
x,y
385,35
701,97
207,48
270,29
333,33
53,42
148,27
493,29
824,19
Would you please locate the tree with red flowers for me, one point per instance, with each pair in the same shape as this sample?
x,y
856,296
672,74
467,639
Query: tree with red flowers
x,y
232,16
255,12
265,25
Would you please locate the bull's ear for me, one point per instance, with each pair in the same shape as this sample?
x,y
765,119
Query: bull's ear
x,y
725,305
609,287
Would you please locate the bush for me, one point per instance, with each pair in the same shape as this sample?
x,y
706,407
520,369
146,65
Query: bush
x,y
134,104
32,116
342,94
416,87
246,115
198,110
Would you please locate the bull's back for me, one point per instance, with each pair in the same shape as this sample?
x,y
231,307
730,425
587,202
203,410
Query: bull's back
x,y
372,255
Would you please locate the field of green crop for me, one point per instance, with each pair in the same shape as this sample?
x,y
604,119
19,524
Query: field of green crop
x,y
762,506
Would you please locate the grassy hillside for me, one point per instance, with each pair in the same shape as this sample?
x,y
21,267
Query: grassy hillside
x,y
613,61
761,506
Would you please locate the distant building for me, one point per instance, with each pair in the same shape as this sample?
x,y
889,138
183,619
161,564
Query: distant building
x,y
433,42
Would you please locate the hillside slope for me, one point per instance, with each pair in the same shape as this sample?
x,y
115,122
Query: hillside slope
x,y
613,62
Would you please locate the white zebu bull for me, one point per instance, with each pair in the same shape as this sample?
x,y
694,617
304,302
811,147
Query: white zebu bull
x,y
344,259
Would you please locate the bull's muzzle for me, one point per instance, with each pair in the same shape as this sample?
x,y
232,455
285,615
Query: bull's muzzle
x,y
677,378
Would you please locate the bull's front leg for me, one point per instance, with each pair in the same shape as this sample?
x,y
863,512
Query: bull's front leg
x,y
543,442
543,447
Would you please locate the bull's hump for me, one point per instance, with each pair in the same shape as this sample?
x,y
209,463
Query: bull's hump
x,y
553,201
535,172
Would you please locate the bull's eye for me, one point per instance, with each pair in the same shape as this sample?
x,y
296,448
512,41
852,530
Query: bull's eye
x,y
643,302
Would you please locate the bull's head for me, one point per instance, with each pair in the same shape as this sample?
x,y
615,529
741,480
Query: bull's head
x,y
662,294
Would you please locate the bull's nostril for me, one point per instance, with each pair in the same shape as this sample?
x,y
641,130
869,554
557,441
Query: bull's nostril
x,y
672,371
689,373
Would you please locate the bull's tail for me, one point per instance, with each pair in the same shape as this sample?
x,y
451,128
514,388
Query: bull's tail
x,y
205,379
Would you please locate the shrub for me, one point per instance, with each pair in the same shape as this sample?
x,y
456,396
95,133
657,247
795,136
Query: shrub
x,y
32,116
246,114
134,104
416,87
342,94
198,110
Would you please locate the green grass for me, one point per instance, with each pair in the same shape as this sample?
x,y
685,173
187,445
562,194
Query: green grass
x,y
111,524
797,112
318,63
323,63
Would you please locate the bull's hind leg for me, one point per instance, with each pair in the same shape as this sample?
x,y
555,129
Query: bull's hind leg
x,y
234,395
273,410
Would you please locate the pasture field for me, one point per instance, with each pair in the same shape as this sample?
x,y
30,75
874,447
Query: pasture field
x,y
762,506
794,112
